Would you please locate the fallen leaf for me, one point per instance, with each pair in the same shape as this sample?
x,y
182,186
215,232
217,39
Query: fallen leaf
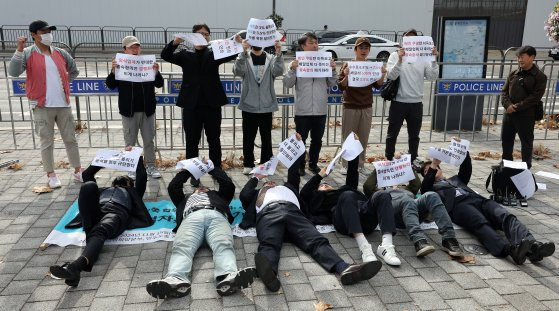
x,y
375,158
15,166
556,165
286,274
321,306
62,164
231,161
41,189
5,151
465,259
542,151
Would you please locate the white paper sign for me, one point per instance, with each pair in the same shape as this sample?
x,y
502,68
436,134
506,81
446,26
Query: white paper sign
x,y
268,168
524,182
541,186
445,155
290,150
459,148
196,167
391,173
226,47
418,49
514,164
193,38
314,64
118,159
262,32
352,147
333,162
134,68
547,174
364,73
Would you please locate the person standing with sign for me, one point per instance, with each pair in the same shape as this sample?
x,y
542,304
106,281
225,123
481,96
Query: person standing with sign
x,y
408,103
104,214
311,104
358,103
201,95
136,105
49,73
522,95
258,70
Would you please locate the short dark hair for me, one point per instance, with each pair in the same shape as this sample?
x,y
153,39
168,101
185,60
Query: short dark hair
x,y
304,37
123,181
197,27
527,49
409,31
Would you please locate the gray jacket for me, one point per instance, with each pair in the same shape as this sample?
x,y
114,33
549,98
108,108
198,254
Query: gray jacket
x,y
311,93
257,98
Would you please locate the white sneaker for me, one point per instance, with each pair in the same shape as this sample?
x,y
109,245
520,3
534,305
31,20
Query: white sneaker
x,y
78,176
247,170
388,254
365,171
54,182
343,170
153,172
367,254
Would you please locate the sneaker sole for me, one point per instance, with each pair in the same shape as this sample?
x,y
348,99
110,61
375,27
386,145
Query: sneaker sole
x,y
266,273
453,253
162,290
367,271
244,278
62,273
547,249
425,251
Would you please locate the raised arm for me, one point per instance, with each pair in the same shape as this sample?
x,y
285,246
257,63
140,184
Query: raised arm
x,y
247,196
175,187
310,187
465,171
371,185
141,178
226,186
169,55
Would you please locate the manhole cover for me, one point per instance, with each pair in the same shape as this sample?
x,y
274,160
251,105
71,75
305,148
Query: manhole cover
x,y
475,249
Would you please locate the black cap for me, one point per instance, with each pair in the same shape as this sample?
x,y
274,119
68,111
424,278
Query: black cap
x,y
40,25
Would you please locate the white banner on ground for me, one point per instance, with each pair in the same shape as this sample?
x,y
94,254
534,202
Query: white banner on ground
x,y
134,68
118,159
396,172
268,168
314,64
226,47
459,148
261,32
352,147
192,38
333,162
364,73
196,167
418,49
524,182
290,150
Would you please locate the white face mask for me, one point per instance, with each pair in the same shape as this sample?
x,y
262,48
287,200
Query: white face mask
x,y
46,39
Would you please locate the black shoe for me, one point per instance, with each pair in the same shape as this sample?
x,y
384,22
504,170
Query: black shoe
x,y
422,248
314,168
452,247
519,251
169,287
266,273
235,281
68,272
540,250
360,272
302,171
194,182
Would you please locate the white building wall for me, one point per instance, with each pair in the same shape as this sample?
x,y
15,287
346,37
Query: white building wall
x,y
536,14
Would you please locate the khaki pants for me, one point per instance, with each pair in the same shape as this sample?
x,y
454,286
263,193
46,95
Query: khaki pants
x,y
359,122
44,119
144,124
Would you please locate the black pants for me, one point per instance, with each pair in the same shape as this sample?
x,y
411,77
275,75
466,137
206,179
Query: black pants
x,y
353,214
482,217
413,114
521,122
315,125
208,119
100,222
253,122
284,220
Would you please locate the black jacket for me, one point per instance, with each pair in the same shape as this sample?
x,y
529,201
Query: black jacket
x,y
200,77
139,214
219,199
446,188
135,94
524,88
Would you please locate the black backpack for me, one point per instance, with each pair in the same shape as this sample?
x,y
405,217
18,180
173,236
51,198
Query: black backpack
x,y
389,89
501,182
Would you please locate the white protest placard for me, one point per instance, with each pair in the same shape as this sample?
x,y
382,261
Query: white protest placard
x,y
134,68
439,153
268,168
391,173
418,49
460,149
364,73
262,32
314,64
524,182
290,150
514,164
352,147
333,162
226,47
193,38
196,167
118,159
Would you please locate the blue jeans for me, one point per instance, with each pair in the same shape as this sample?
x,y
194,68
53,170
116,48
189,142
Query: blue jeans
x,y
409,213
214,228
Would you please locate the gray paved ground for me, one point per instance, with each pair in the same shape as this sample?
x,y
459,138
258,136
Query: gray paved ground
x,y
118,280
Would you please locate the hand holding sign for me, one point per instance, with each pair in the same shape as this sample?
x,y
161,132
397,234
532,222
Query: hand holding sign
x,y
290,150
391,173
226,47
418,49
262,32
352,147
364,73
126,160
134,68
266,169
313,64
196,167
195,39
